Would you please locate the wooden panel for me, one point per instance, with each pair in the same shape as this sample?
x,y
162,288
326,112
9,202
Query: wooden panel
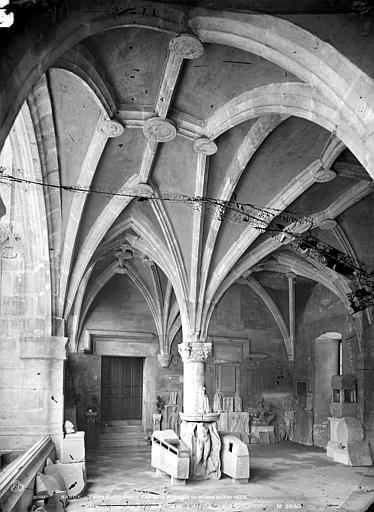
x,y
121,388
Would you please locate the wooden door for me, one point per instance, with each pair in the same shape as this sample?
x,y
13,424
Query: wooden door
x,y
121,388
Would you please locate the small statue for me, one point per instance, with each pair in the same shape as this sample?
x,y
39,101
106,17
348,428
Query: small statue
x,y
69,427
159,404
157,422
238,403
228,404
204,406
217,403
289,407
173,421
203,445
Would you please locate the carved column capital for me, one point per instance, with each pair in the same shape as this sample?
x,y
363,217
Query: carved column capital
x,y
194,351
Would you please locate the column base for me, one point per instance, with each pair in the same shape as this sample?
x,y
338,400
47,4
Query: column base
x,y
204,444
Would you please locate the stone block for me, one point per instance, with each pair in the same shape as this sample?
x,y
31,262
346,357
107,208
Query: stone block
x,y
223,422
264,437
170,455
359,454
47,485
72,448
74,476
240,480
354,454
167,436
52,469
261,433
177,481
234,458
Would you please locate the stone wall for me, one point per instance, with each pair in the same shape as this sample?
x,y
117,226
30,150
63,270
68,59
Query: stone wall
x,y
120,307
241,315
119,311
31,360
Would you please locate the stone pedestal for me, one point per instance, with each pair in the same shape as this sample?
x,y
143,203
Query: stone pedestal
x,y
347,444
72,448
170,456
204,444
235,459
198,429
262,434
234,422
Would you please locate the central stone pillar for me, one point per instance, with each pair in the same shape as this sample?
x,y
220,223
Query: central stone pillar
x,y
199,425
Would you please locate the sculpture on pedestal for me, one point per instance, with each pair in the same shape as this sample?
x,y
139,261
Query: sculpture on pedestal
x,y
238,403
205,445
228,404
289,416
263,414
217,403
173,422
157,422
204,405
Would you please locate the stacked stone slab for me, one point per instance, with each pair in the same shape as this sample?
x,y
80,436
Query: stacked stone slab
x,y
73,464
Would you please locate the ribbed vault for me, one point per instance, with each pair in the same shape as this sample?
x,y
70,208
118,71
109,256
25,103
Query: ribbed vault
x,y
148,134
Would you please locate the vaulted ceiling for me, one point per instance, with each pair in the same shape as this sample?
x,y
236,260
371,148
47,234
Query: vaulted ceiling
x,y
169,155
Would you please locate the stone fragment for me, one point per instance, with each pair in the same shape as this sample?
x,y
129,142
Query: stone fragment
x,y
204,444
74,476
69,427
235,458
228,404
72,448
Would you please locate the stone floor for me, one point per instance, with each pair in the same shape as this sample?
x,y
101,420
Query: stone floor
x,y
284,476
